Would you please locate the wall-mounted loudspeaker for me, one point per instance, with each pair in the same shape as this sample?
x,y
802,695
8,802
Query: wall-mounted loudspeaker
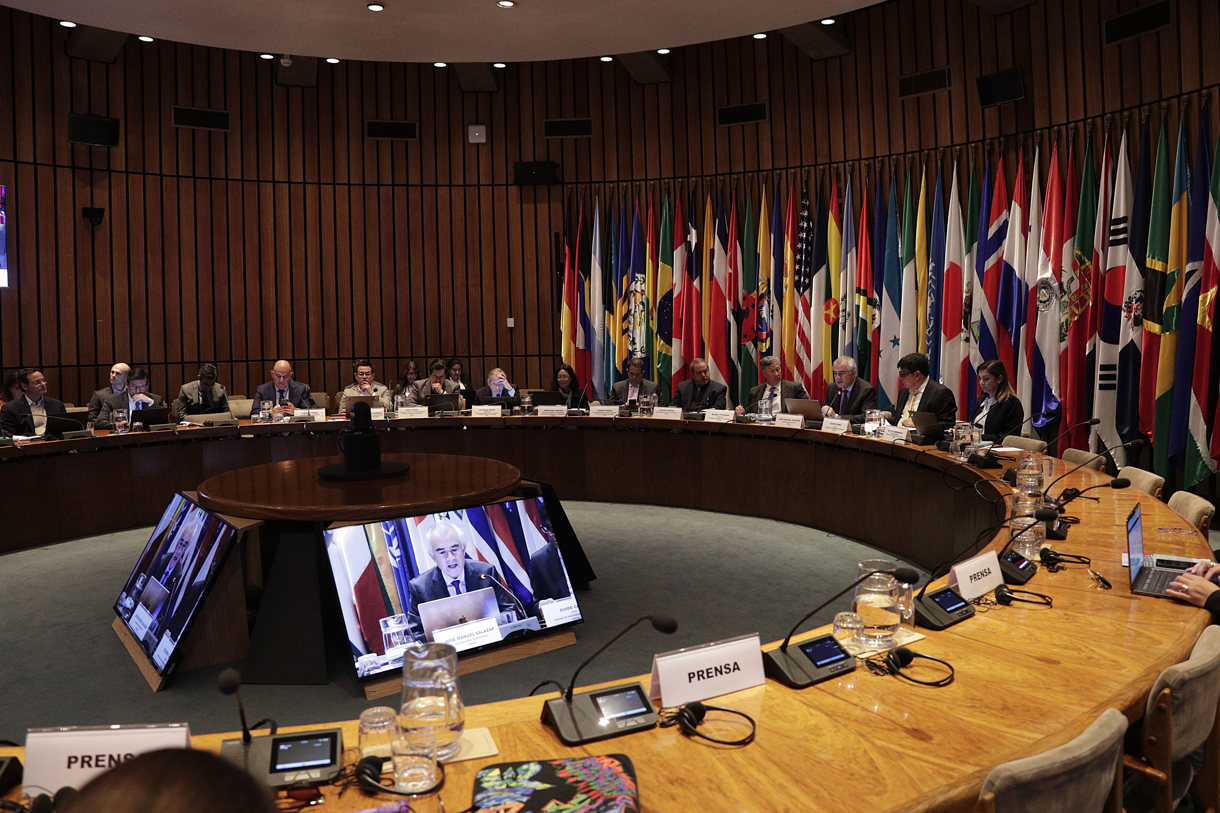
x,y
94,131
1001,87
535,173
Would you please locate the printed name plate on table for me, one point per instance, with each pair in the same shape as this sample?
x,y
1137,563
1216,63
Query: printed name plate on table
x,y
603,410
413,412
718,416
709,670
551,411
668,413
473,633
840,426
71,756
978,576
377,413
485,411
790,420
895,433
558,611
316,414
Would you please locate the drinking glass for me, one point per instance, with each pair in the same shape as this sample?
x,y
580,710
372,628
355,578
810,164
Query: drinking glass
x,y
264,412
645,406
962,435
430,698
527,403
847,627
415,769
120,420
400,404
872,422
1027,536
378,729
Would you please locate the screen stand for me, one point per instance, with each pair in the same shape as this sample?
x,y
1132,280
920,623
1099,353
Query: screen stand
x,y
287,645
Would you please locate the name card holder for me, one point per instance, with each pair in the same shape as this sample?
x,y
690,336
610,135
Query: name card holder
x,y
473,633
551,411
978,576
71,756
486,411
708,670
894,434
839,426
790,420
667,413
377,413
603,410
413,412
317,414
718,416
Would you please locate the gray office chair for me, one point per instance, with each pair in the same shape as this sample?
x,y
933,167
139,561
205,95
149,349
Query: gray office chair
x,y
1080,775
1196,509
1180,719
240,407
1144,480
1028,444
1077,457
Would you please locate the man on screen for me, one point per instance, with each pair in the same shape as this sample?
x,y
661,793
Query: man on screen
x,y
453,575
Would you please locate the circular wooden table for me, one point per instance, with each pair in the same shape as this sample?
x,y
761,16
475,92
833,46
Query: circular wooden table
x,y
292,489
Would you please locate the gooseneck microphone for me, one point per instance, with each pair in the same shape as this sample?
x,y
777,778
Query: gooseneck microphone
x,y
904,575
661,623
1135,443
1069,494
229,682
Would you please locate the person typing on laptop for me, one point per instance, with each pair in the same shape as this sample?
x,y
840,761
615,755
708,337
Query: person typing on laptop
x,y
1200,586
135,398
453,575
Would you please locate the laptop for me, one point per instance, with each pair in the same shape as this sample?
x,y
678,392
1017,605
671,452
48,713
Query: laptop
x,y
374,401
1146,578
151,416
58,424
443,403
811,408
928,425
453,610
548,398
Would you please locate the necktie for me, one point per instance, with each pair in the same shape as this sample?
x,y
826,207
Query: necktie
x,y
843,399
281,396
771,398
457,586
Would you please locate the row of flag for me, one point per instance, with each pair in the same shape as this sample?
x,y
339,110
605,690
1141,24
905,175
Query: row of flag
x,y
1097,292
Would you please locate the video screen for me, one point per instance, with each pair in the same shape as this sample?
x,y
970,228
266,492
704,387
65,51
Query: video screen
x,y
171,578
473,578
3,237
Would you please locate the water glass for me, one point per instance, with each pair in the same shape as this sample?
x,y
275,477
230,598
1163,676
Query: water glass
x,y
872,422
400,404
1027,535
264,412
527,403
847,627
430,697
876,601
121,421
963,434
379,729
415,767
645,406
91,428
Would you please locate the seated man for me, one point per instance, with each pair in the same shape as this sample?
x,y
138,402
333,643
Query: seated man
x,y
437,382
848,397
27,415
364,384
286,394
773,389
453,575
635,387
203,396
700,391
118,383
135,397
498,386
922,394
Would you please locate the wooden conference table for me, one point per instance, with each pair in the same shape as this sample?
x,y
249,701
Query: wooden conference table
x,y
1028,678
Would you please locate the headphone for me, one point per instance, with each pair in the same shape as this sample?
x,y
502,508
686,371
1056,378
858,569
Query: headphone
x,y
368,776
894,662
1055,561
1006,595
689,717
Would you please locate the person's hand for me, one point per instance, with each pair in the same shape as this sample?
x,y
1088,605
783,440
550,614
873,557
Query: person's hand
x,y
283,409
908,422
438,387
1191,589
142,398
740,410
827,412
1206,570
366,387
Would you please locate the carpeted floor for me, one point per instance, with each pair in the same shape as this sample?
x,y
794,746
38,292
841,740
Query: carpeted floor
x,y
718,575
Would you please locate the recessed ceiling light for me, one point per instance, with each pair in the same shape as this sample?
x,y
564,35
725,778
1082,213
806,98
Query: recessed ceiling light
x,y
438,64
505,3
332,60
828,21
662,51
499,65
145,39
266,56
607,59
376,6
760,36
67,24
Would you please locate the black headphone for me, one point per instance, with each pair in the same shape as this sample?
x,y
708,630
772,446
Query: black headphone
x,y
689,717
1006,595
368,776
894,662
1055,561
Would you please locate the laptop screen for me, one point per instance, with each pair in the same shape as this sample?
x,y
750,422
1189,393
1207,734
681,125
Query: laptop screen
x,y
1135,541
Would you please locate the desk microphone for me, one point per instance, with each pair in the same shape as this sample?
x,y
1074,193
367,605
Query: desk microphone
x,y
1072,428
1135,443
786,667
1069,494
229,682
989,459
500,581
604,713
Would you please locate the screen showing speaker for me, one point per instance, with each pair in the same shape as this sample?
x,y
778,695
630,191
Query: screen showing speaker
x,y
172,577
475,578
3,236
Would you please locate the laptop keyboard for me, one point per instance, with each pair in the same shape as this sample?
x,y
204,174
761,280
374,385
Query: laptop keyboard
x,y
1158,580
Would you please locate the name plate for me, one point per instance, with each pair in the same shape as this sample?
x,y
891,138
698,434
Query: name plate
x,y
790,420
473,633
316,414
551,411
710,670
377,413
668,413
413,412
559,611
840,426
70,757
975,577
898,434
603,410
718,416
486,411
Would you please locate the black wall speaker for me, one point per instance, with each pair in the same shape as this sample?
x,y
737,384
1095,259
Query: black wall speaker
x,y
95,131
535,173
1001,87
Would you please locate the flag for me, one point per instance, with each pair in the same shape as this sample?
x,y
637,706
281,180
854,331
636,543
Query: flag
x,y
814,304
1010,296
879,247
1113,316
778,273
936,277
568,320
1074,308
970,287
1026,313
840,337
1097,267
1207,315
891,309
584,327
802,289
650,290
954,351
1194,336
788,353
909,333
1042,343
732,295
765,324
681,291
1131,332
921,265
637,301
707,258
747,300
1155,269
597,308
691,303
866,304
989,264
718,299
665,301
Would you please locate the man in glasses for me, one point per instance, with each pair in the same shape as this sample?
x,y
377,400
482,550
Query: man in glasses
x,y
365,384
921,394
135,397
848,397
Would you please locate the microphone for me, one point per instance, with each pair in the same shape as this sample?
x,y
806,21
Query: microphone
x,y
1065,432
511,594
228,682
1136,443
790,671
1069,494
1042,515
661,623
989,459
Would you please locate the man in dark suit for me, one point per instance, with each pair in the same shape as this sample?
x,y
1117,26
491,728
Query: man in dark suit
x,y
498,386
700,391
453,575
635,387
922,394
773,389
135,398
27,415
118,383
203,396
285,393
848,397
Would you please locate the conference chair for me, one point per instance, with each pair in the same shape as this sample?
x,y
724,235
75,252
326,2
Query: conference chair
x,y
1077,457
1028,444
240,407
1179,719
1080,775
1196,509
1144,480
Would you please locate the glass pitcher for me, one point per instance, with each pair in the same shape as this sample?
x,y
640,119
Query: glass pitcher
x,y
878,603
430,698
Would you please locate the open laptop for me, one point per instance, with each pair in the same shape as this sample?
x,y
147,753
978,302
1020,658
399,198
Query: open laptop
x,y
548,398
58,424
453,610
442,403
150,416
374,401
1148,577
811,408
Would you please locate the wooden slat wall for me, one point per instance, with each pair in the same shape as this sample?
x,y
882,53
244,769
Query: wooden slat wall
x,y
292,235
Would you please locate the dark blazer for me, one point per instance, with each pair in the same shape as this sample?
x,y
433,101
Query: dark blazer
x,y
98,400
483,394
787,390
937,399
1005,418
863,396
618,393
119,401
298,395
715,396
190,400
430,586
577,399
547,576
17,419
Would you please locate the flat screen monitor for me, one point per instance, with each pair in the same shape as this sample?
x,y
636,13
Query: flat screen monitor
x,y
172,577
385,571
3,236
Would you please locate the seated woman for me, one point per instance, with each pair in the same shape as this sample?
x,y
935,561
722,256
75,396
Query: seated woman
x,y
567,384
453,370
999,411
410,374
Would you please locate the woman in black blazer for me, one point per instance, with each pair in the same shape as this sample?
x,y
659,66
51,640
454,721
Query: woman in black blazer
x,y
999,411
567,384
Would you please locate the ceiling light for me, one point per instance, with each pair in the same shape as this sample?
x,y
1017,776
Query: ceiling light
x,y
498,65
438,64
760,36
505,3
332,60
828,21
145,39
265,56
662,51
67,24
376,6
607,59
